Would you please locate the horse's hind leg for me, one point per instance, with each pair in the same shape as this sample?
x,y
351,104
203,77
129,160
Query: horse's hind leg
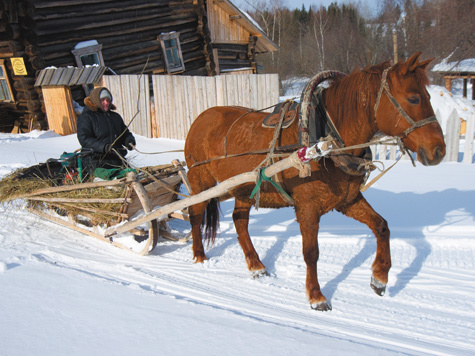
x,y
360,210
196,214
241,222
199,180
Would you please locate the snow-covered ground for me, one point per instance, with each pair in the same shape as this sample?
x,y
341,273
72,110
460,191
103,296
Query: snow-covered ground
x,y
62,292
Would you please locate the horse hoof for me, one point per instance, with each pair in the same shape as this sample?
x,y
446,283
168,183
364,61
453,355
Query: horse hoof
x,y
200,259
259,273
322,306
378,287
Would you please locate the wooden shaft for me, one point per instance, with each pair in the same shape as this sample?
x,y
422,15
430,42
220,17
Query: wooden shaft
x,y
182,174
67,188
83,200
221,189
147,207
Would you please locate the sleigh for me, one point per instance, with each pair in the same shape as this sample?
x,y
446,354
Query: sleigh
x,y
93,207
138,207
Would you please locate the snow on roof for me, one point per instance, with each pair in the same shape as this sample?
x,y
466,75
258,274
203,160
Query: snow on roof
x,y
250,19
86,44
467,65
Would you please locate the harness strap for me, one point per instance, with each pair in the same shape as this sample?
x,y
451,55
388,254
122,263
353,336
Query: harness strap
x,y
262,177
380,92
276,181
414,124
375,179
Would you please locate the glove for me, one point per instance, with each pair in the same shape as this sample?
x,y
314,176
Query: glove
x,y
130,145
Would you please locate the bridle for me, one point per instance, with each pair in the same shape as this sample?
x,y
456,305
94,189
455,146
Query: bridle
x,y
414,124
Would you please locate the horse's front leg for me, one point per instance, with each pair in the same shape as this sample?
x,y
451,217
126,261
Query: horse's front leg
x,y
309,223
241,222
360,210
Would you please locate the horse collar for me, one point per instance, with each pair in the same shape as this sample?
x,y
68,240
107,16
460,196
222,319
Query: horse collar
x,y
315,122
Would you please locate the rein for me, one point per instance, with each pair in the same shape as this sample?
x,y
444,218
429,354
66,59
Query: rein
x,y
414,124
287,150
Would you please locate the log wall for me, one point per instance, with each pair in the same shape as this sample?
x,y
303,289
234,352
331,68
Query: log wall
x,y
43,33
223,28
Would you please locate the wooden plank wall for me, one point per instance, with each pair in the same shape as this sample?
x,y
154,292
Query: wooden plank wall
x,y
178,100
59,108
131,96
222,28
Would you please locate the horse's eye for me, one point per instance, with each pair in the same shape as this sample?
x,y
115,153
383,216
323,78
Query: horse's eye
x,y
414,100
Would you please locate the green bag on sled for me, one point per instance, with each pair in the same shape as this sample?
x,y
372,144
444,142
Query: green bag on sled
x,y
112,173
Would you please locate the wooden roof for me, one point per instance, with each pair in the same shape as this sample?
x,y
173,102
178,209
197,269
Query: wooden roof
x,y
264,43
461,68
70,76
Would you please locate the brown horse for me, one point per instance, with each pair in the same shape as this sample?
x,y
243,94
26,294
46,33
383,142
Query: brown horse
x,y
393,100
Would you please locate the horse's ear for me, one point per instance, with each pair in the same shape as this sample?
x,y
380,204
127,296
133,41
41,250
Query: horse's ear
x,y
411,64
423,65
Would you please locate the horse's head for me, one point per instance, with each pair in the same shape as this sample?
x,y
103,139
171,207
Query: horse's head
x,y
403,109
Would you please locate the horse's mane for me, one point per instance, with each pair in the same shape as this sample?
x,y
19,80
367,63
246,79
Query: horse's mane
x,y
353,94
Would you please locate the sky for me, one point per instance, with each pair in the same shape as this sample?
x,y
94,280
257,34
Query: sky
x,y
293,4
368,8
65,293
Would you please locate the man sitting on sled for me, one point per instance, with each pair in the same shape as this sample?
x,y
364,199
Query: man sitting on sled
x,y
103,131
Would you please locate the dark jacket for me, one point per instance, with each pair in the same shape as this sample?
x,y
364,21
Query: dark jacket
x,y
96,129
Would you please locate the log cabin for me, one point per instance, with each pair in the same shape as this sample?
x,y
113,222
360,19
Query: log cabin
x,y
178,37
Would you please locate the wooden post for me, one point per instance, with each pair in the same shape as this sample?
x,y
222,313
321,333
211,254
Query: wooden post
x,y
452,137
448,84
469,134
59,109
464,88
395,46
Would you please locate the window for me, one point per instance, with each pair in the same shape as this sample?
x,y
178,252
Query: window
x,y
88,53
5,90
172,51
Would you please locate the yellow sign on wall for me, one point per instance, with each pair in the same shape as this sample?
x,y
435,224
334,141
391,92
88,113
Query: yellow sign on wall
x,y
18,66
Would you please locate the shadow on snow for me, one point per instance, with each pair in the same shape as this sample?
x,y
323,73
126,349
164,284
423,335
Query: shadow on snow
x,y
408,215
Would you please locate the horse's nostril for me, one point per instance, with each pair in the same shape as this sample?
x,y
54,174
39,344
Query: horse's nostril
x,y
439,153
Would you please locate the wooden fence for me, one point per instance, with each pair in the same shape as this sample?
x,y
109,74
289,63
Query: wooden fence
x,y
177,100
131,96
459,147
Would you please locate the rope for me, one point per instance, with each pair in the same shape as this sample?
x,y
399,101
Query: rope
x,y
155,153
375,179
262,177
133,117
150,175
235,121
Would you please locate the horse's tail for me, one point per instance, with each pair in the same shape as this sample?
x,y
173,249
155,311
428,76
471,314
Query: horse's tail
x,y
212,221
